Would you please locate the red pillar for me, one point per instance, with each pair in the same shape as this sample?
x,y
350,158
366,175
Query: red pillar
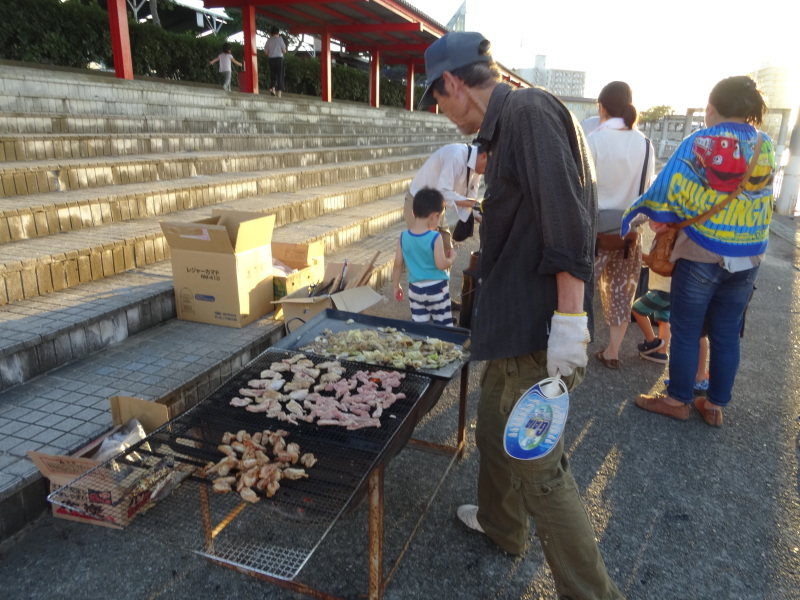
x,y
120,40
375,79
325,67
248,78
410,86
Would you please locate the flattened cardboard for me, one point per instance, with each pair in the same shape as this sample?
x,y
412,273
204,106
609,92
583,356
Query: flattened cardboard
x,y
222,267
61,470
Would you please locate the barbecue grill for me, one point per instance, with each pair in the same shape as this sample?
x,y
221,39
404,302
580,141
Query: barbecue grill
x,y
274,537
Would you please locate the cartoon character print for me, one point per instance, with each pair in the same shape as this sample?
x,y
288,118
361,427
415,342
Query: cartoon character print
x,y
719,161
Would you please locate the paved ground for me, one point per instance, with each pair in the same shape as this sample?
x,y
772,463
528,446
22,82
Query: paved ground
x,y
682,511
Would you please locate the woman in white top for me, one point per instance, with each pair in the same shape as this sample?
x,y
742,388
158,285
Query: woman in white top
x,y
619,151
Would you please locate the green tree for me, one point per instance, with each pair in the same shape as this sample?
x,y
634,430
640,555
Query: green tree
x,y
656,113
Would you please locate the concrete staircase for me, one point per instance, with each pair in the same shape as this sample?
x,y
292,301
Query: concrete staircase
x,y
89,165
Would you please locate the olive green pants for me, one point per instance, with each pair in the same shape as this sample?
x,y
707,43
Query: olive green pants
x,y
509,490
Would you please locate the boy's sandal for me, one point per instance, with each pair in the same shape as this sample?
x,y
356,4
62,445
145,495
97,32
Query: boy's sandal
x,y
712,417
611,363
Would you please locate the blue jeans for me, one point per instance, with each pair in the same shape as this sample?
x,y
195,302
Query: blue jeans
x,y
701,290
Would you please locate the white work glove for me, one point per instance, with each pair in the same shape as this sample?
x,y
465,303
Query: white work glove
x,y
566,348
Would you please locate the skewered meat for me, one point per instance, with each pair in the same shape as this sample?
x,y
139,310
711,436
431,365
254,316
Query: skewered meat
x,y
223,486
248,495
298,394
306,370
256,470
227,449
293,473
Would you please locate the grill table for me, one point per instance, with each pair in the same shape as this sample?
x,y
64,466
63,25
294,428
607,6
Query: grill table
x,y
275,537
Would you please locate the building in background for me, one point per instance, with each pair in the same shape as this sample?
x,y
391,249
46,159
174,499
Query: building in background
x,y
781,89
560,82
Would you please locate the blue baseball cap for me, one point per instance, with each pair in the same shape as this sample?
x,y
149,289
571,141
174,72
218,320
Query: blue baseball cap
x,y
451,51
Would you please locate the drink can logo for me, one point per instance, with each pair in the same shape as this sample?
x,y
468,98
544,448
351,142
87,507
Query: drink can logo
x,y
537,421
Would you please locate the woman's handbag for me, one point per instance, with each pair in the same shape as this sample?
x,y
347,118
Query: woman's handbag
x,y
658,259
664,243
609,221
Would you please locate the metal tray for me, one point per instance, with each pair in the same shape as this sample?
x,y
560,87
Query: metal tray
x,y
337,320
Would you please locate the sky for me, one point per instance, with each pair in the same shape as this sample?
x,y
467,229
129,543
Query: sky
x,y
670,53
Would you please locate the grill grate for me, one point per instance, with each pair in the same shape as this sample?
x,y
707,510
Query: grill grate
x,y
274,536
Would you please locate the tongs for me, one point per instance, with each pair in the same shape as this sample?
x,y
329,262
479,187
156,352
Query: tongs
x,y
318,290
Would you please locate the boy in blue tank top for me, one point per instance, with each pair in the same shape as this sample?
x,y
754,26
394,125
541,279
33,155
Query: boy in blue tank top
x,y
421,250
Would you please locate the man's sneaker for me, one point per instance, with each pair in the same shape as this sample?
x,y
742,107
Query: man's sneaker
x,y
468,515
649,347
657,357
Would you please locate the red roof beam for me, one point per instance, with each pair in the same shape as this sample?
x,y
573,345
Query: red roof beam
x,y
216,3
405,48
300,16
404,11
366,28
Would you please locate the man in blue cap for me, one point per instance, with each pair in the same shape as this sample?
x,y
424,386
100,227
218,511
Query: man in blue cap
x,y
533,300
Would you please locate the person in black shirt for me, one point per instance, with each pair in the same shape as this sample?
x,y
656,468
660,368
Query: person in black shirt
x,y
531,315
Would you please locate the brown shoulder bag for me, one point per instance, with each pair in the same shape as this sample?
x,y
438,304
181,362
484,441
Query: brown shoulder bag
x,y
664,243
612,241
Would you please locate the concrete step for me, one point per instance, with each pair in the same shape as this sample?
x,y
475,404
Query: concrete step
x,y
46,332
177,364
61,123
27,90
42,265
215,111
45,214
43,146
66,174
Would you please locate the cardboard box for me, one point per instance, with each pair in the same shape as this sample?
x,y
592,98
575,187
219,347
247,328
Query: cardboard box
x,y
110,509
222,267
308,259
354,298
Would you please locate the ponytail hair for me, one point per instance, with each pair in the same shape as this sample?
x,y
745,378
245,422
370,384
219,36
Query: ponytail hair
x,y
617,99
738,97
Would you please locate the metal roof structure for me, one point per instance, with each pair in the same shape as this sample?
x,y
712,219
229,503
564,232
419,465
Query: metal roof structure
x,y
398,30
390,31
394,28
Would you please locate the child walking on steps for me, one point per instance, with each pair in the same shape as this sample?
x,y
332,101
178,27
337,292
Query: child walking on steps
x,y
421,250
225,59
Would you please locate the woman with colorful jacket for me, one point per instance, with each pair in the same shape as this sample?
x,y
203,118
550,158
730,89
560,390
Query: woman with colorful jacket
x,y
716,260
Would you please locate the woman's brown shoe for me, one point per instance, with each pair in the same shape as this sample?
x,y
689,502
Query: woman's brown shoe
x,y
656,404
710,416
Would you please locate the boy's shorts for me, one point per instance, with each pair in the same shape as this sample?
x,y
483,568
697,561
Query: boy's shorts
x,y
654,303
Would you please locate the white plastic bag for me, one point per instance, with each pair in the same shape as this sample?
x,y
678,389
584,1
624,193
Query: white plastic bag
x,y
119,441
